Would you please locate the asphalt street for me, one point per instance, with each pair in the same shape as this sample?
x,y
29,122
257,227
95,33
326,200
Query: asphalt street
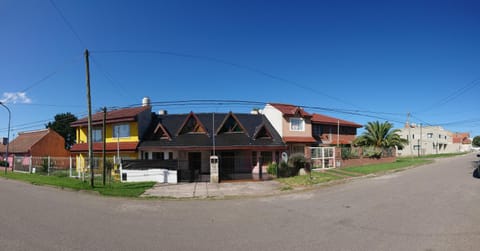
x,y
431,207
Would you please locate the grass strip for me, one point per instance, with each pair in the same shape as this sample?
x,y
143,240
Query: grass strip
x,y
130,189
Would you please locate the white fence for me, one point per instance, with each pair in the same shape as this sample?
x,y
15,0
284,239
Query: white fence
x,y
63,166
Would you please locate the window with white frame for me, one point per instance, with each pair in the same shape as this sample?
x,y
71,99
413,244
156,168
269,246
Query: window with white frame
x,y
121,131
297,124
429,135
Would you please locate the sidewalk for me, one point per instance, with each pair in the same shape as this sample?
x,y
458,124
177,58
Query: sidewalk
x,y
220,190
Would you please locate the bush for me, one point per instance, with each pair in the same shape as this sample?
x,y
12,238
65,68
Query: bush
x,y
297,161
4,163
349,153
372,152
284,170
272,168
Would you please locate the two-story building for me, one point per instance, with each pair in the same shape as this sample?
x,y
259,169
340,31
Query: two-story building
x,y
124,131
423,140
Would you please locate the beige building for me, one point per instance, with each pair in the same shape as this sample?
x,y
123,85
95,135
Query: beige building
x,y
425,140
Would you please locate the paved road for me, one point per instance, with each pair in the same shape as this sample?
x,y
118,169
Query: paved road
x,y
433,207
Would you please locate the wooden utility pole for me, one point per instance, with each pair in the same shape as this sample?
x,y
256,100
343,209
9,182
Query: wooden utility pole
x,y
89,104
104,144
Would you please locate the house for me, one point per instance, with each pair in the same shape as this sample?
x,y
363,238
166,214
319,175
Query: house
x,y
293,124
244,143
463,141
124,131
39,143
425,140
301,130
333,131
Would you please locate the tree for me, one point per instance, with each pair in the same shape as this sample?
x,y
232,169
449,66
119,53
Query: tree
x,y
380,135
476,141
62,126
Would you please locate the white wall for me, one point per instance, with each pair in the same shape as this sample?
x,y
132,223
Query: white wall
x,y
275,117
156,175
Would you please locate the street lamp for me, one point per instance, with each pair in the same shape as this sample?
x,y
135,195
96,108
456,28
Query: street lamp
x,y
8,133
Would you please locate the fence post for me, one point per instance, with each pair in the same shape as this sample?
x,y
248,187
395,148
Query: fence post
x,y
30,165
48,165
70,166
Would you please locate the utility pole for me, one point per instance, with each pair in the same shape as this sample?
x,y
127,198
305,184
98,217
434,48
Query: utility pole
x,y
89,104
338,132
104,144
421,137
409,134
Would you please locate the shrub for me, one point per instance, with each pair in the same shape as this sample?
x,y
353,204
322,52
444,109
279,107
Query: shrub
x,y
372,152
4,163
284,170
272,168
349,153
297,161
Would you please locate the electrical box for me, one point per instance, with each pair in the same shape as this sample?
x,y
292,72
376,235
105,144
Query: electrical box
x,y
214,169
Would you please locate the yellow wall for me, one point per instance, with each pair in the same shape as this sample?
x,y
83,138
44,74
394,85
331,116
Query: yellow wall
x,y
82,134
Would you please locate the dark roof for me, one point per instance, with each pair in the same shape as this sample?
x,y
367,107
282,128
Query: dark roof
x,y
25,140
251,124
115,116
326,120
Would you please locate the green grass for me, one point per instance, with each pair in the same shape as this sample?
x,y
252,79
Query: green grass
x,y
131,189
400,163
329,175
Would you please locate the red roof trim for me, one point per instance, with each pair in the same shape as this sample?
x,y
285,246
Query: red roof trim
x,y
290,110
115,116
326,120
299,139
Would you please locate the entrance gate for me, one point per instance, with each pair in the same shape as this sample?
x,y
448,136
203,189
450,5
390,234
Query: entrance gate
x,y
323,157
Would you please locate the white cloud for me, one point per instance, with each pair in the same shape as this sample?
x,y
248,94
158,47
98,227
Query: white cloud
x,y
15,97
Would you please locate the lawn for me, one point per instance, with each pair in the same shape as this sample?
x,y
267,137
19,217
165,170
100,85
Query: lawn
x,y
131,189
329,175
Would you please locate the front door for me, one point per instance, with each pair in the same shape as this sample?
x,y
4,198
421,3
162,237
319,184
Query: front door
x,y
194,165
227,165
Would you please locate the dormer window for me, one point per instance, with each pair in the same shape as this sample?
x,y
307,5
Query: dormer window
x,y
297,124
192,126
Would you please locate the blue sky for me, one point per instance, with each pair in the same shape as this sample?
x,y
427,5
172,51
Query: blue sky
x,y
362,60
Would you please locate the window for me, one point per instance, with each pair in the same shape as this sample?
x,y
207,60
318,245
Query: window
x,y
121,131
231,126
413,136
416,147
170,155
297,124
267,157
158,155
97,134
317,130
429,135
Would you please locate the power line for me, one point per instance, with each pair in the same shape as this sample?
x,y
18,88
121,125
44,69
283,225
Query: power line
x,y
224,62
116,86
455,94
69,25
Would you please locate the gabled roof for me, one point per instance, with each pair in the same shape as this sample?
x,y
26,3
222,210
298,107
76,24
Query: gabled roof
x,y
115,116
463,138
250,123
25,140
198,127
326,120
290,110
227,126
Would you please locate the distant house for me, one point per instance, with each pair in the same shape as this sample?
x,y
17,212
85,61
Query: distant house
x,y
124,131
242,143
425,140
39,143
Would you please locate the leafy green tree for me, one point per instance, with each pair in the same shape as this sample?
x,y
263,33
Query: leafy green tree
x,y
380,135
61,125
476,141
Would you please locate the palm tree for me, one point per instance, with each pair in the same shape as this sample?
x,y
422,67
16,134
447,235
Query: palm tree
x,y
380,135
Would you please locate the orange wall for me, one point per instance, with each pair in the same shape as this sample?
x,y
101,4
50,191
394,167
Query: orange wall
x,y
51,145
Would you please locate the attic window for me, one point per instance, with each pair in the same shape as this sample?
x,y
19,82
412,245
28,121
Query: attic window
x,y
297,124
161,133
192,126
231,125
263,133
